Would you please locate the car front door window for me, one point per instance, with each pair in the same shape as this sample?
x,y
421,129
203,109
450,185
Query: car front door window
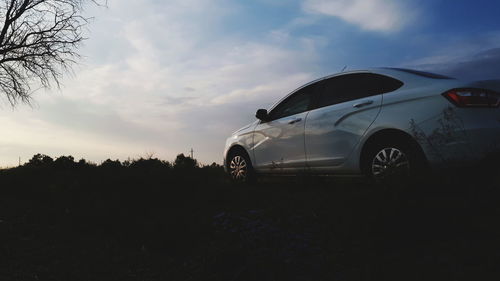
x,y
297,103
279,142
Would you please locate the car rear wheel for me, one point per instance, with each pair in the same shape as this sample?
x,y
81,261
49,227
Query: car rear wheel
x,y
240,168
393,160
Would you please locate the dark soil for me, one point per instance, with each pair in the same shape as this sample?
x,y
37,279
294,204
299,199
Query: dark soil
x,y
153,224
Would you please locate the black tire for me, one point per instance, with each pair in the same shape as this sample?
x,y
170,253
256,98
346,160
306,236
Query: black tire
x,y
393,160
239,167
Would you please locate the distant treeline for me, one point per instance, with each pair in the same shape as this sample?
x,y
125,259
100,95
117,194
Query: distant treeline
x,y
42,170
181,162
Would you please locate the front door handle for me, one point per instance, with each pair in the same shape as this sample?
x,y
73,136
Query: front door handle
x,y
363,103
295,121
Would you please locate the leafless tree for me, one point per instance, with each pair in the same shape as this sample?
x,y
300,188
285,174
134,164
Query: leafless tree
x,y
38,43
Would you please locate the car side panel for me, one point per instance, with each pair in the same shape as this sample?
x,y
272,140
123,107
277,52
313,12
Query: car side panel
x,y
278,145
332,132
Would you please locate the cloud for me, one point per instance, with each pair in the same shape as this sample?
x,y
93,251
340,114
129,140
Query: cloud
x,y
164,83
478,66
477,58
372,15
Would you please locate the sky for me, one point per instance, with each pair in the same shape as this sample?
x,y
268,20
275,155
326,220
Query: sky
x,y
160,77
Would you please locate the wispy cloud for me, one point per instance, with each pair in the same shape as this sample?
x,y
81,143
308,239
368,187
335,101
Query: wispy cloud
x,y
178,82
478,66
477,58
373,15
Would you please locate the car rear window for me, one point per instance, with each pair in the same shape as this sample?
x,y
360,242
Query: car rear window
x,y
354,86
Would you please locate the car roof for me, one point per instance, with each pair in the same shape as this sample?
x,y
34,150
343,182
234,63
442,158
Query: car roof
x,y
396,72
403,74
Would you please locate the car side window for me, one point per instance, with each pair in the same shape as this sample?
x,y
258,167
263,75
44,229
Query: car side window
x,y
298,102
355,86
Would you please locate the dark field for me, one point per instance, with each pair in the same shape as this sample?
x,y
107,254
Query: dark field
x,y
161,223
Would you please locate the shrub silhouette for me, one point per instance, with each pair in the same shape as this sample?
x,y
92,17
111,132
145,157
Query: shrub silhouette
x,y
149,163
110,164
183,162
40,160
82,163
64,162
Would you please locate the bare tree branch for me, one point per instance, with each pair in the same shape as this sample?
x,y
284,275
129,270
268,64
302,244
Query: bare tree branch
x,y
38,43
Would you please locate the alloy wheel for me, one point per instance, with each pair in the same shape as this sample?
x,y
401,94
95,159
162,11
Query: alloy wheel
x,y
238,168
390,162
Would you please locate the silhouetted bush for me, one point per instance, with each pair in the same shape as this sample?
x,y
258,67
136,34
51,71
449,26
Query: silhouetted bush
x,y
40,160
185,162
150,163
110,164
82,163
64,162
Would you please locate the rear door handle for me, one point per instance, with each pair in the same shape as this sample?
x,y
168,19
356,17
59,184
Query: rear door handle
x,y
363,103
295,121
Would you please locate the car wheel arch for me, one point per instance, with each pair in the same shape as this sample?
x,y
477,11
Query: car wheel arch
x,y
385,134
237,148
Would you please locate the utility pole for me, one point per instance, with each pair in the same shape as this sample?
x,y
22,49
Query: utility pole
x,y
19,161
192,153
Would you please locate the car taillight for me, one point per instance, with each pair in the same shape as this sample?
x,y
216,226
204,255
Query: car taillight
x,y
473,98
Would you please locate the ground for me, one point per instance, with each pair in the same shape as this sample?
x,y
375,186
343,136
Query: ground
x,y
125,224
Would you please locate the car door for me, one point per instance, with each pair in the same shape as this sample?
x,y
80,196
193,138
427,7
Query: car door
x,y
347,106
279,142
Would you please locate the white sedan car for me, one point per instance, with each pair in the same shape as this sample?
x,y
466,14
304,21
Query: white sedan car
x,y
379,122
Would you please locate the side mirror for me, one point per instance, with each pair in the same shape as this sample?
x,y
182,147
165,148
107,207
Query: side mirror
x,y
262,115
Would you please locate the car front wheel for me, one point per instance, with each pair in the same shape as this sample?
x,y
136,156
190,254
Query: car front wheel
x,y
240,168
